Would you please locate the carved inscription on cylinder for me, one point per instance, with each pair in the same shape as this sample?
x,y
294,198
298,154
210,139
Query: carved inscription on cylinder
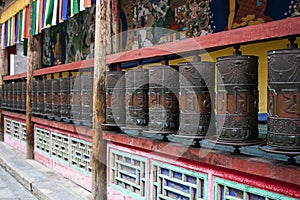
x,y
237,98
284,99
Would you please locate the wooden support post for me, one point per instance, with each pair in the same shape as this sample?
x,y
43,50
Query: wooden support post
x,y
102,48
2,73
34,61
115,26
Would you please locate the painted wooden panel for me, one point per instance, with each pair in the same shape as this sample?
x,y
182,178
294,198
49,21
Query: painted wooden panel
x,y
60,147
229,190
42,141
80,156
171,182
128,173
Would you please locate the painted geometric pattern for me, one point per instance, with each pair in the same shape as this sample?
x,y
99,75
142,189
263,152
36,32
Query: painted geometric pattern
x,y
128,173
23,130
228,190
60,147
42,141
81,156
15,129
7,127
171,182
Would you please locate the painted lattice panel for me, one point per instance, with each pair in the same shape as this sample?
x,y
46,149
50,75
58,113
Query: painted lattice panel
x,y
128,173
23,130
228,190
7,126
60,147
172,182
15,130
42,141
80,156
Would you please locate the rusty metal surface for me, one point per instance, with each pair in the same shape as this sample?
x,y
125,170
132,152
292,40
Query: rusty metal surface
x,y
75,98
237,99
23,96
284,100
87,99
115,98
196,98
65,98
163,102
55,83
48,97
40,97
137,88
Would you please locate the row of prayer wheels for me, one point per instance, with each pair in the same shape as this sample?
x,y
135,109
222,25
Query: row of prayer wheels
x,y
64,99
182,100
14,96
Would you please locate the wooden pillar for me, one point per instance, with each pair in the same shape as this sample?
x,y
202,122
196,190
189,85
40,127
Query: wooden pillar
x,y
102,48
34,61
115,26
2,73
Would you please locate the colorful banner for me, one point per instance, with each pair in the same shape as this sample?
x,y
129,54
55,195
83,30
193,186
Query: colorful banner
x,y
74,7
49,13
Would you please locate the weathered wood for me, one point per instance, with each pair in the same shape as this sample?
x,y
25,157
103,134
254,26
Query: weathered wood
x,y
2,67
33,62
102,47
115,26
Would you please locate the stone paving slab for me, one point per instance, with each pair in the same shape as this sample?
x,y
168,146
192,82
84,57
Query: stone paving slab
x,y
38,179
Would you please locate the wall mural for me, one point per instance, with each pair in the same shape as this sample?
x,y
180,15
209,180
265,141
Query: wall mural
x,y
144,20
70,41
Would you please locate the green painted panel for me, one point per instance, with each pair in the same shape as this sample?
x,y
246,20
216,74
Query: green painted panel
x,y
229,190
60,148
128,173
42,141
171,182
7,127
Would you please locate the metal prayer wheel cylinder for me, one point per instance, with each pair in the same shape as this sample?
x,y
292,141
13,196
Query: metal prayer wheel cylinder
x,y
34,102
55,86
196,98
41,97
18,95
4,96
14,96
284,99
237,99
163,102
65,107
23,96
9,96
87,99
137,87
115,98
48,98
75,99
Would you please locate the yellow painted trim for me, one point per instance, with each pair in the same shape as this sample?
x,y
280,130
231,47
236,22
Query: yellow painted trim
x,y
13,10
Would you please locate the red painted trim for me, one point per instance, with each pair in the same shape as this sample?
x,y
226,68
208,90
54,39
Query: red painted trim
x,y
14,115
65,67
15,77
83,131
246,164
235,175
55,69
249,34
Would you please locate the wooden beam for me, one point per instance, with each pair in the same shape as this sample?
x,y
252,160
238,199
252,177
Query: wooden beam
x,y
102,48
34,61
2,65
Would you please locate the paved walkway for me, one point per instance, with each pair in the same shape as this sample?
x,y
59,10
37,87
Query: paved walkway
x,y
36,178
11,189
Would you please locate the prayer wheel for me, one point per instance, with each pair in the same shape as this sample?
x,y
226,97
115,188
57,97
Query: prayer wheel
x,y
237,99
56,99
14,96
65,107
284,100
18,95
4,96
9,96
137,87
35,97
163,102
41,98
23,96
75,99
87,99
48,98
196,99
115,98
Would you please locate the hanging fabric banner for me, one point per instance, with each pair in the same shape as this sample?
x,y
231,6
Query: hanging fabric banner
x,y
3,36
41,24
25,29
34,13
74,7
60,20
87,3
16,33
81,5
6,34
65,6
55,8
49,13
